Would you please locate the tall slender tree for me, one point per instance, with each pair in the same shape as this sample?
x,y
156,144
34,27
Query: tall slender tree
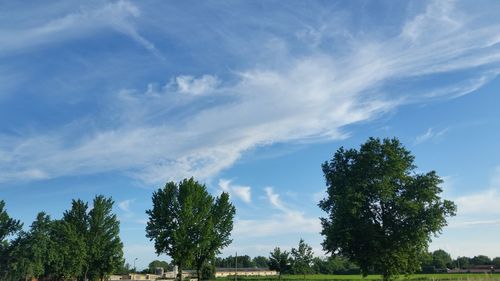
x,y
78,218
39,242
105,249
186,224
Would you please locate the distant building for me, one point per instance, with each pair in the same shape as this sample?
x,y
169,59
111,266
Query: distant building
x,y
476,269
223,272
159,271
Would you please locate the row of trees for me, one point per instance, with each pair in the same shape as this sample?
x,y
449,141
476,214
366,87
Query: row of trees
x,y
440,260
84,244
285,263
243,261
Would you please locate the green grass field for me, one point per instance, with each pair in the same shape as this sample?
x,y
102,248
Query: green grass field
x,y
415,277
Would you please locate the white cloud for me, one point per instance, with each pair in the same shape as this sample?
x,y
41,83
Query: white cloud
x,y
125,205
167,134
430,134
244,193
196,86
285,222
473,223
481,204
76,24
437,17
277,225
274,199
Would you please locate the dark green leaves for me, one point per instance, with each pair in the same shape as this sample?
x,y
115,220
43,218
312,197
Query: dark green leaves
x,y
188,224
381,214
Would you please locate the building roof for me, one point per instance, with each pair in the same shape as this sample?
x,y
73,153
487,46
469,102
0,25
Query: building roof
x,y
229,269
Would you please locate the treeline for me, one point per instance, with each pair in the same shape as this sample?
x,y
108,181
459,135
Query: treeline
x,y
300,260
83,244
440,261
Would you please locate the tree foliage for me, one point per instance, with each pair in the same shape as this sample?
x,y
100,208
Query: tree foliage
x,y
260,262
62,249
8,227
280,261
381,213
302,258
158,264
105,249
188,224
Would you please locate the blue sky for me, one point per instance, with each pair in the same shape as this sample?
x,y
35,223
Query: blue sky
x,y
118,97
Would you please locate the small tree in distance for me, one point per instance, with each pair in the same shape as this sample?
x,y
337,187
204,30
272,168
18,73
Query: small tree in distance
x,y
302,258
279,261
381,213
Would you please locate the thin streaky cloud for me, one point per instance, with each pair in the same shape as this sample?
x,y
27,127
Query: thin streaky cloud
x,y
77,24
156,136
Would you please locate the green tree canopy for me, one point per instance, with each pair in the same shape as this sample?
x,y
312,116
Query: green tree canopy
x,y
302,258
78,218
8,227
217,233
480,260
105,249
280,261
441,259
462,262
158,264
496,262
260,262
381,212
188,224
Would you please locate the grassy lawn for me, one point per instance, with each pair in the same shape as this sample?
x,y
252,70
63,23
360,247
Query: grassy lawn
x,y
321,277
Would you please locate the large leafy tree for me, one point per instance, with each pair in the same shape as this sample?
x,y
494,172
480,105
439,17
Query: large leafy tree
x,y
187,224
105,249
302,257
280,261
381,212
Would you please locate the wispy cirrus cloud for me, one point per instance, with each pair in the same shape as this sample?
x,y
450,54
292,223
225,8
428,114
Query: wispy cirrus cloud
x,y
482,204
199,125
125,205
430,134
75,24
286,221
241,192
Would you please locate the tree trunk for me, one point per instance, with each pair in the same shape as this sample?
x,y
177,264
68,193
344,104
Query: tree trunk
x,y
180,272
198,274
